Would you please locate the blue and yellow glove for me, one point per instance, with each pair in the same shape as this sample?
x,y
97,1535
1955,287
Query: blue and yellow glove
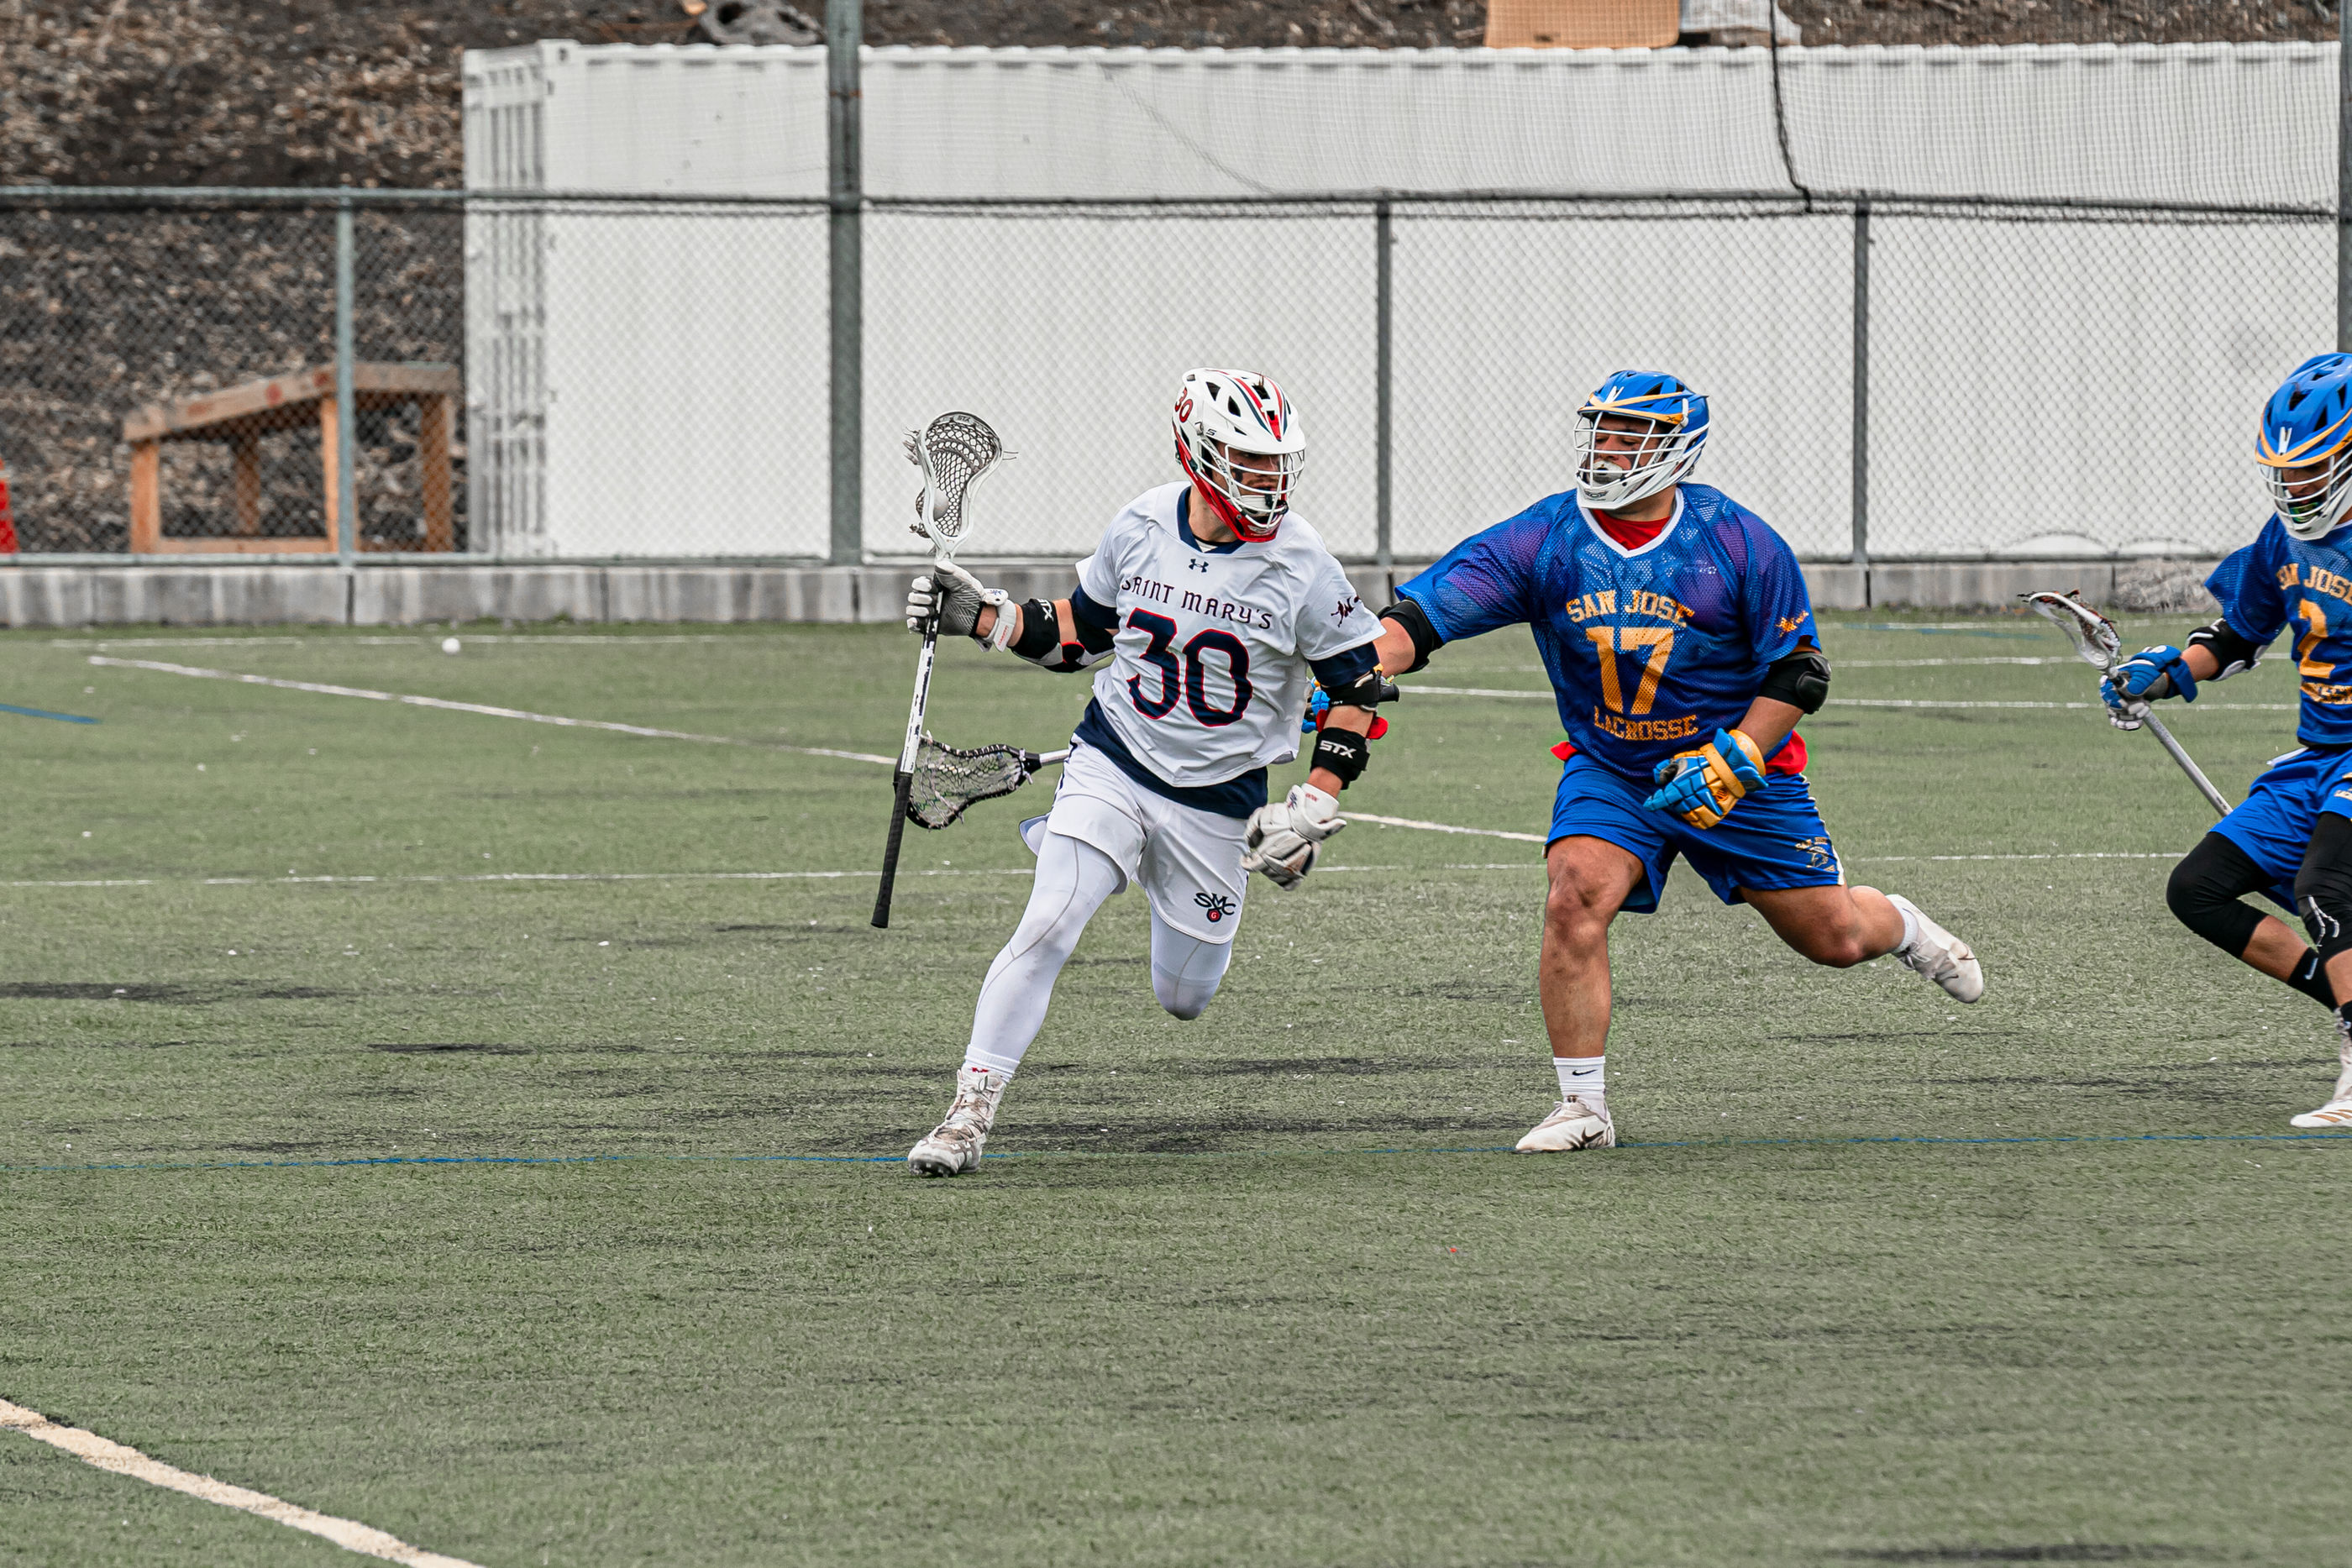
x,y
1702,786
2146,676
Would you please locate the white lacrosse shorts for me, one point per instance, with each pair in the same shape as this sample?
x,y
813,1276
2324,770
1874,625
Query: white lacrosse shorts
x,y
1189,861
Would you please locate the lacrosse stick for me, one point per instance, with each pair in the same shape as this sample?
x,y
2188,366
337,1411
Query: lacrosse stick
x,y
2099,645
949,780
953,451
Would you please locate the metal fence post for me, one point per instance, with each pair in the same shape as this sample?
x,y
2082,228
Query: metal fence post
x,y
1861,434
2343,187
1384,381
347,413
845,28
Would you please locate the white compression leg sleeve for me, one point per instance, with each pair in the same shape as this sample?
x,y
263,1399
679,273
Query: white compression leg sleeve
x,y
1185,970
1073,880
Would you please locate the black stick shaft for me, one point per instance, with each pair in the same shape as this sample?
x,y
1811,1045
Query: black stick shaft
x,y
890,855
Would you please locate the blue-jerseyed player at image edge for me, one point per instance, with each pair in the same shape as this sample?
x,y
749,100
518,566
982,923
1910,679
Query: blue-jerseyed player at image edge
x,y
2291,840
1679,636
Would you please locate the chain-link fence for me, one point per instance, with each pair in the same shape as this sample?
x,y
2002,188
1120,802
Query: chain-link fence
x,y
649,379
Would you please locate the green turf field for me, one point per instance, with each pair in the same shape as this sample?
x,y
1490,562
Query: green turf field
x,y
348,1154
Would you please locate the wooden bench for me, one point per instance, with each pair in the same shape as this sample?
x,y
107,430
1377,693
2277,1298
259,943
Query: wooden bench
x,y
242,415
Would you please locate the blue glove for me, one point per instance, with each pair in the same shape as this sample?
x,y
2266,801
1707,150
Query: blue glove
x,y
2146,676
1702,786
1318,703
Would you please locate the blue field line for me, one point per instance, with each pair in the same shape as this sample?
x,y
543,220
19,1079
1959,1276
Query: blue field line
x,y
44,713
2342,1137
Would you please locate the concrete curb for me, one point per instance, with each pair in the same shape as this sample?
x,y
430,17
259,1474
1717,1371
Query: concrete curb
x,y
404,595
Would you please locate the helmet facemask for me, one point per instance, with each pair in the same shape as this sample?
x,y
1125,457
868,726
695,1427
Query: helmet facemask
x,y
1249,491
1239,443
1661,452
2311,495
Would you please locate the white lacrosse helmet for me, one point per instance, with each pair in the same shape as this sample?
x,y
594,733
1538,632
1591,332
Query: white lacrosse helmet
x,y
1222,413
1667,443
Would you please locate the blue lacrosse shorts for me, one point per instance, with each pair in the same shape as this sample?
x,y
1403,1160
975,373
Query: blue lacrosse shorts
x,y
2273,825
1774,838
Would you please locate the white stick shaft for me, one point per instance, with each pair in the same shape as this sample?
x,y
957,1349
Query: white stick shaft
x,y
2196,774
922,700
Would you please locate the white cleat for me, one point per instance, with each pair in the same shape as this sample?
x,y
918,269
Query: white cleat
x,y
1939,956
1573,1124
953,1146
2337,1112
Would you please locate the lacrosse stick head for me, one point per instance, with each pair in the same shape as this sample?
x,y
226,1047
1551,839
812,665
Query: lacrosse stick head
x,y
947,779
953,451
2096,640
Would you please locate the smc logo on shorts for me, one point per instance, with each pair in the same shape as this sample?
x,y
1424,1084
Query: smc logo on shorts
x,y
1218,904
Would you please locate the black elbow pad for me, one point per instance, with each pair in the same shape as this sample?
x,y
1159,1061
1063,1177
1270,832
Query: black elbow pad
x,y
1801,680
2233,653
1415,622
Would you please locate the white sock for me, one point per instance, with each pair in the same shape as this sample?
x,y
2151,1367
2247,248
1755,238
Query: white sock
x,y
1910,926
1582,1077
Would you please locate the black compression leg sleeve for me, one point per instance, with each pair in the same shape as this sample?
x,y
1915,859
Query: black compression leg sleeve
x,y
2205,892
2323,888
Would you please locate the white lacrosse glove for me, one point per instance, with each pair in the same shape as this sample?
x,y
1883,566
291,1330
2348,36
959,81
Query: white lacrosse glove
x,y
957,598
1284,837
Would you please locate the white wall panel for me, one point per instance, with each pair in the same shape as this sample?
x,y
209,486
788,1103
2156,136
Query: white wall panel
x,y
1069,334
646,382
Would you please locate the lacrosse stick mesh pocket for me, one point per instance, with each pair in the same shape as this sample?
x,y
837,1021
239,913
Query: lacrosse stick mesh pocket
x,y
952,451
947,779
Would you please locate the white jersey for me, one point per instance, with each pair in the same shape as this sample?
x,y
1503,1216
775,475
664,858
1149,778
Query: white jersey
x,y
1208,673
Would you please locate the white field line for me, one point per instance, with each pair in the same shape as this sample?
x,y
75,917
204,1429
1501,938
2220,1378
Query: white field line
x,y
419,640
583,876
1443,827
1867,702
1411,822
444,703
108,1455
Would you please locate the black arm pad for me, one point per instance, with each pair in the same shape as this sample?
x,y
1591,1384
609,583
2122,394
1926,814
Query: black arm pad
x,y
1801,680
1343,751
1415,620
1040,632
1094,639
1367,691
2234,654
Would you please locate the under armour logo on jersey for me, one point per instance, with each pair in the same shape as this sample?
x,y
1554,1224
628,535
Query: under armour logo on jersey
x,y
1791,623
1218,904
1196,566
1346,608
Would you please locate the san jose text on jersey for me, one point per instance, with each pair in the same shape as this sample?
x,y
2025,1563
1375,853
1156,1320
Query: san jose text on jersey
x,y
1214,643
2279,581
1650,650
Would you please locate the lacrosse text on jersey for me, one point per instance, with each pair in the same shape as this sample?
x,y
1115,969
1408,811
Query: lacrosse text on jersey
x,y
2302,587
1215,648
1649,648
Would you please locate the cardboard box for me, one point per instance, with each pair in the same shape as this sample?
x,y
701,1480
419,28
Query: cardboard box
x,y
1582,24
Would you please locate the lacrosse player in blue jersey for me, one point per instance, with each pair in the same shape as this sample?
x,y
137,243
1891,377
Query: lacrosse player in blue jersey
x,y
1680,639
2291,840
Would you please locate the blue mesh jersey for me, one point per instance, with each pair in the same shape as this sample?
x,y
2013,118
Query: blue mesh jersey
x,y
1651,650
2279,581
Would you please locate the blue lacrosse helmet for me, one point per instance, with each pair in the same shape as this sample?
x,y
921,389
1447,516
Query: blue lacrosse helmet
x,y
2305,447
1664,445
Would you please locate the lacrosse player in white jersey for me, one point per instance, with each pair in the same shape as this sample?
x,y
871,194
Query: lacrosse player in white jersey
x,y
1213,609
